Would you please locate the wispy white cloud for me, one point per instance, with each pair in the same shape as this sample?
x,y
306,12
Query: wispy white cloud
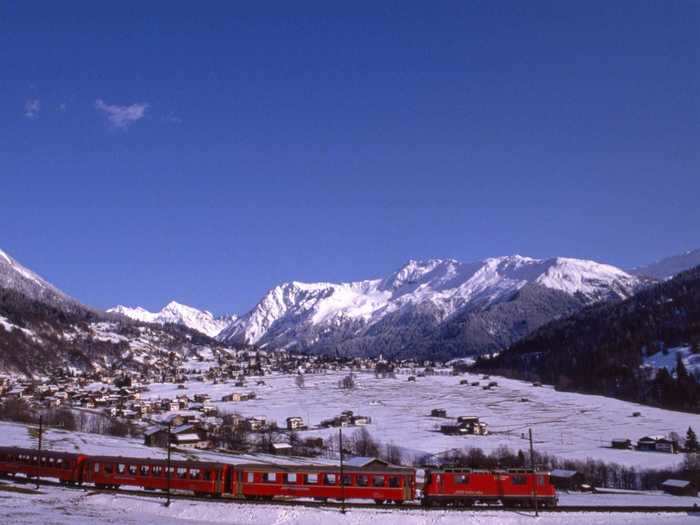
x,y
121,116
32,106
172,118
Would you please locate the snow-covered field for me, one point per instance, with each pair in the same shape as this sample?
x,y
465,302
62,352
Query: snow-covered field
x,y
59,506
565,424
668,360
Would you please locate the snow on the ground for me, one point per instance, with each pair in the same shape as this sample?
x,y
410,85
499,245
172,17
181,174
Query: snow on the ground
x,y
668,359
8,326
60,506
565,424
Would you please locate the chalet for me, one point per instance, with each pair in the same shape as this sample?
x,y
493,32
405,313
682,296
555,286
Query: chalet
x,y
657,444
295,423
679,487
621,443
256,424
466,425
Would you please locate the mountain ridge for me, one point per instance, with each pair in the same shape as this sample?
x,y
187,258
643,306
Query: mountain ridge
x,y
201,320
309,316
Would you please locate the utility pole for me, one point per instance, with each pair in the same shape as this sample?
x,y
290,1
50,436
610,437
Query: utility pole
x,y
169,469
342,476
534,475
41,431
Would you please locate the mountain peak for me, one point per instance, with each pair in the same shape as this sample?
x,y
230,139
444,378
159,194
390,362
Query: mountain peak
x,y
14,276
178,313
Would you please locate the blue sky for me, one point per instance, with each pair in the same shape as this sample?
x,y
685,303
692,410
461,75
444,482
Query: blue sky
x,y
205,152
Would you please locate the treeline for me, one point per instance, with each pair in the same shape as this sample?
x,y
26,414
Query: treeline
x,y
601,349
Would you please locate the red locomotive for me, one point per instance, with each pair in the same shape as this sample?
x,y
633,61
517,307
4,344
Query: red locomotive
x,y
380,483
465,487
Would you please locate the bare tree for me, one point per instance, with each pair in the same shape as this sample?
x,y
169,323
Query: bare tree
x,y
363,444
347,383
392,454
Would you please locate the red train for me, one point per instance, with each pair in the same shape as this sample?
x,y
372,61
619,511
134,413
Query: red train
x,y
465,487
382,484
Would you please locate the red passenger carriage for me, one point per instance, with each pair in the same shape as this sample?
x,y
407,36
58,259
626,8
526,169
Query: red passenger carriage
x,y
388,484
63,466
201,478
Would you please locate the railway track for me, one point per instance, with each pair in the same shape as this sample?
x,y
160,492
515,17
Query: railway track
x,y
336,505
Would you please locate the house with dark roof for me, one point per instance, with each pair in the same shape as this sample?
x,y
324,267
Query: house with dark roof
x,y
679,487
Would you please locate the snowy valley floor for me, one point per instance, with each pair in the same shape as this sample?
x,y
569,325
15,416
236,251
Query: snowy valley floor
x,y
58,506
564,424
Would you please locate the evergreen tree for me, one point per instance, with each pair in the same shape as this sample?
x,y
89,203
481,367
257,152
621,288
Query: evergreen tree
x,y
681,371
691,441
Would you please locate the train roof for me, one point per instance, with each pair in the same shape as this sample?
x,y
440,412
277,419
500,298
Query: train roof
x,y
391,469
150,461
34,451
485,471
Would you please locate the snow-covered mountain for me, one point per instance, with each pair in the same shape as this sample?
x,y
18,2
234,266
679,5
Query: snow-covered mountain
x,y
669,266
425,294
176,313
14,276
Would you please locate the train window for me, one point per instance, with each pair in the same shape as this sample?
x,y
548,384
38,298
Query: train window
x,y
519,480
346,480
194,473
144,470
121,468
97,467
133,469
461,479
329,479
181,472
250,476
378,481
290,477
363,480
312,478
109,468
394,481
207,475
270,477
156,470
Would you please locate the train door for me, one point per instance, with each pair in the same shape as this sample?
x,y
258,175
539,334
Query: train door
x,y
228,480
407,488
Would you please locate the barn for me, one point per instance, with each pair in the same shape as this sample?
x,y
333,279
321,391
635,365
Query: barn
x,y
566,479
679,487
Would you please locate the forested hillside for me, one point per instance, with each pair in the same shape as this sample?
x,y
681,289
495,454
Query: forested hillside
x,y
36,337
601,349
